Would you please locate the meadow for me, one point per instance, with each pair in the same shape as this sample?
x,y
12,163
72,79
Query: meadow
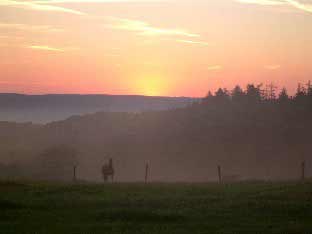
x,y
246,207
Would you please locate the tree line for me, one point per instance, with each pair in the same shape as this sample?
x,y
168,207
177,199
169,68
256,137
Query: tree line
x,y
256,133
261,94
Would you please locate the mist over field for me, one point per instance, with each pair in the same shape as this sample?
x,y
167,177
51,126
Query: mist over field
x,y
155,116
249,135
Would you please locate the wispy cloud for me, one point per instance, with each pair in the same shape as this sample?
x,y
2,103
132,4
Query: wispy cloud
x,y
43,47
214,68
26,27
49,5
50,48
194,42
144,28
32,5
304,6
262,2
94,1
91,1
272,67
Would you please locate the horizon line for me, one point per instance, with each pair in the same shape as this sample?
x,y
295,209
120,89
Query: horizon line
x,y
97,94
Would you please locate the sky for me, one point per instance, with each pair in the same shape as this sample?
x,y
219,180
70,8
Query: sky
x,y
153,47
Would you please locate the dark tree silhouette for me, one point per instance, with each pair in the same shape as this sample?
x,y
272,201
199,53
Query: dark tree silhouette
x,y
301,92
209,97
222,95
283,96
238,94
242,131
253,93
309,89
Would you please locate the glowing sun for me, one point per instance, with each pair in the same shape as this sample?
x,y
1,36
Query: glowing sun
x,y
152,86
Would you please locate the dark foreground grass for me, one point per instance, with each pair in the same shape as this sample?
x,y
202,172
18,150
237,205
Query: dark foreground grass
x,y
252,208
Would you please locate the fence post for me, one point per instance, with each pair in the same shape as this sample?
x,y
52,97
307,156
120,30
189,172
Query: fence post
x,y
303,170
219,174
74,176
146,172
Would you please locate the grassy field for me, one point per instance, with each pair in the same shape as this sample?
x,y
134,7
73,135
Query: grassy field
x,y
256,207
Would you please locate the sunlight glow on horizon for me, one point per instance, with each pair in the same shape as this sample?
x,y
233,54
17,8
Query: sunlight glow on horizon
x,y
152,47
151,85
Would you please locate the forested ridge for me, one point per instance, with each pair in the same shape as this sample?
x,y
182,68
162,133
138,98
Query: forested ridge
x,y
253,133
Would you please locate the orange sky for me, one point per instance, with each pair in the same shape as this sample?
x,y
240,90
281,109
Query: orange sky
x,y
152,47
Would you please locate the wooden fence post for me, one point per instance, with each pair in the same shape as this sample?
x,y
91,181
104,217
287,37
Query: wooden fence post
x,y
74,176
303,170
219,174
146,172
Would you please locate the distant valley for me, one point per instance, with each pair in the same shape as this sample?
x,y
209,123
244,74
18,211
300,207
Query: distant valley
x,y
55,107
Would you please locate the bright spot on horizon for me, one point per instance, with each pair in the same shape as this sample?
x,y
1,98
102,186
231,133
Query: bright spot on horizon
x,y
152,47
151,85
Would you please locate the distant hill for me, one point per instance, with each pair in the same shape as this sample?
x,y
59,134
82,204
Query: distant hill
x,y
249,140
55,107
247,135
